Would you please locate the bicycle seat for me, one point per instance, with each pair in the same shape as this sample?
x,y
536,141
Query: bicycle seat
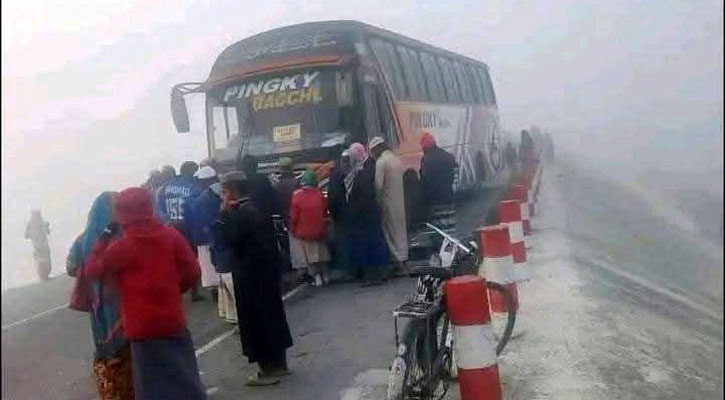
x,y
436,272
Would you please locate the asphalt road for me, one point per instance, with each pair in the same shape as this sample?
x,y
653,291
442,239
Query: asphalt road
x,y
339,331
612,310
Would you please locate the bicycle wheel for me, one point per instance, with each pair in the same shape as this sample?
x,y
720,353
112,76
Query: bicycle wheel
x,y
511,314
422,368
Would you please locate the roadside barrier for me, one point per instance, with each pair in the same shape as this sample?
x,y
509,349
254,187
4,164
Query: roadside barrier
x,y
497,264
520,193
474,346
510,214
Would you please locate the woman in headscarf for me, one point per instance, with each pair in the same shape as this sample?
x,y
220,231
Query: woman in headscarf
x,y
112,356
153,266
367,246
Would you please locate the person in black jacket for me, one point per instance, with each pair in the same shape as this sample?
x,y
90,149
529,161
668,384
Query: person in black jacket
x,y
437,169
337,204
260,188
363,218
263,327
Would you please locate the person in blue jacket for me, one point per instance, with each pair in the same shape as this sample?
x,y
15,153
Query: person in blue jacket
x,y
172,198
200,213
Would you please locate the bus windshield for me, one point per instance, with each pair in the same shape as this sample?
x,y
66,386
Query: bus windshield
x,y
280,113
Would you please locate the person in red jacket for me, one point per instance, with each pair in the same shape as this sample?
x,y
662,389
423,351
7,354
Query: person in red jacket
x,y
153,266
308,249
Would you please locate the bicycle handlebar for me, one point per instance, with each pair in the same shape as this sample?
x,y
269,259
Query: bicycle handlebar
x,y
449,237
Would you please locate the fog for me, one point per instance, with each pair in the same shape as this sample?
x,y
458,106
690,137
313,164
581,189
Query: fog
x,y
632,86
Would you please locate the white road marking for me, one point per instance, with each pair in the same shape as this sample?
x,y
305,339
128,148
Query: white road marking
x,y
203,349
32,317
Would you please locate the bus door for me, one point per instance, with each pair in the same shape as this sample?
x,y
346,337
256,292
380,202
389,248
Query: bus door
x,y
378,118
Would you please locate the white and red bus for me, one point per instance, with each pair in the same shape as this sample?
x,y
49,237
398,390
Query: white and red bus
x,y
300,90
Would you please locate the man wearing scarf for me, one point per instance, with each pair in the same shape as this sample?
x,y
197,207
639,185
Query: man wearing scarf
x,y
391,197
363,219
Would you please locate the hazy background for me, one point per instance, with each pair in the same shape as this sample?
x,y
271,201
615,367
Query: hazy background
x,y
633,87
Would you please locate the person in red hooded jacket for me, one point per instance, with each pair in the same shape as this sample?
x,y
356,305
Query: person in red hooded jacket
x,y
153,266
308,249
437,172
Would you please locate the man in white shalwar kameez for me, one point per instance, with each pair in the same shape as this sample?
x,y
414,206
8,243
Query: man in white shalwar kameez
x,y
391,197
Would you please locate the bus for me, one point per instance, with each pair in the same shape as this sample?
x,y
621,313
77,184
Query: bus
x,y
304,90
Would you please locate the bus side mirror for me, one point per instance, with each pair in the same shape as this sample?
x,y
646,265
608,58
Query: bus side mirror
x,y
179,113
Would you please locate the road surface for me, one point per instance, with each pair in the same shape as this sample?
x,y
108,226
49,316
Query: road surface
x,y
620,305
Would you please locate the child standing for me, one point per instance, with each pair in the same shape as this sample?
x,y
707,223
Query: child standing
x,y
308,249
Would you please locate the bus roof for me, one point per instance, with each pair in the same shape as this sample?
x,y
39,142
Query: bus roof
x,y
320,43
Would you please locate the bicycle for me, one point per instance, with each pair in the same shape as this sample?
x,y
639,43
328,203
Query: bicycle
x,y
423,366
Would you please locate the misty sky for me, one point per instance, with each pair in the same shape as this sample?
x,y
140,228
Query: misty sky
x,y
85,84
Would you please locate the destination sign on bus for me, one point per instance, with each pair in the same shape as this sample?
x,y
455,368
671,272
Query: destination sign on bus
x,y
278,92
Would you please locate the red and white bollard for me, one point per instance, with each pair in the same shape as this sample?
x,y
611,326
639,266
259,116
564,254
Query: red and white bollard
x,y
510,214
520,193
474,346
497,265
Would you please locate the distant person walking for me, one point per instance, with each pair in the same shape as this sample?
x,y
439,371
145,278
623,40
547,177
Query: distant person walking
x,y
37,232
363,219
437,169
249,233
391,197
152,265
511,160
526,149
100,298
308,246
171,203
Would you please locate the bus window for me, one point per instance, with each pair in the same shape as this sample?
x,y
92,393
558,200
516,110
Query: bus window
x,y
478,91
449,80
488,88
386,119
378,119
413,74
221,127
464,84
385,54
474,84
372,119
343,88
433,78
489,85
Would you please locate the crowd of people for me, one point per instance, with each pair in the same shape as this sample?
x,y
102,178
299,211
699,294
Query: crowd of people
x,y
144,247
